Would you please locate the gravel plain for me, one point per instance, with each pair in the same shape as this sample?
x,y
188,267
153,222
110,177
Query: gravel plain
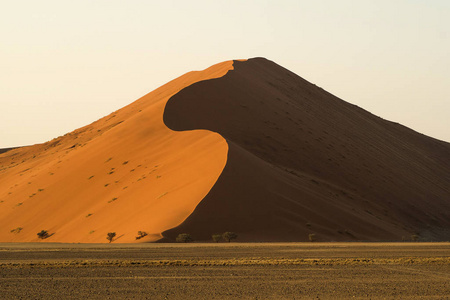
x,y
225,271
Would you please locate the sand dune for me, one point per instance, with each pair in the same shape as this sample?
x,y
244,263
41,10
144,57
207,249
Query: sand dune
x,y
302,161
3,150
244,146
124,173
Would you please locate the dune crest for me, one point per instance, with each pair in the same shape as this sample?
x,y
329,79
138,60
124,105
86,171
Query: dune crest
x,y
124,173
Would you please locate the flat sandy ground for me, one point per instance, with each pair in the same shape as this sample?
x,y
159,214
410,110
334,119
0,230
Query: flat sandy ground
x,y
232,271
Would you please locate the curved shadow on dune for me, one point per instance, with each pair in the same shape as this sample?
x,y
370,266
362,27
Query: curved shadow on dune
x,y
292,169
254,195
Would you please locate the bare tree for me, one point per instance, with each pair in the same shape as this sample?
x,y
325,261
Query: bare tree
x,y
141,234
228,236
184,238
110,236
216,237
43,234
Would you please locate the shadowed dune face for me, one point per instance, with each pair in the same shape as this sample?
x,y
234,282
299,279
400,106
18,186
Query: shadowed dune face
x,y
302,161
5,150
125,173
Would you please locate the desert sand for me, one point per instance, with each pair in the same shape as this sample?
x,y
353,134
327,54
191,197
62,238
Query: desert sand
x,y
243,146
124,173
303,161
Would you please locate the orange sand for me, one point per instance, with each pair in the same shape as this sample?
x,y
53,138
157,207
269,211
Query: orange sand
x,y
124,173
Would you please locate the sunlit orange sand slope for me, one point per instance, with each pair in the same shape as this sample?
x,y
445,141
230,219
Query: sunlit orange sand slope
x,y
256,150
124,173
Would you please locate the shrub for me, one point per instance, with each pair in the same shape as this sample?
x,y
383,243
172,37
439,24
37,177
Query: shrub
x,y
16,230
184,238
141,234
110,236
112,200
216,237
43,234
312,237
414,237
228,236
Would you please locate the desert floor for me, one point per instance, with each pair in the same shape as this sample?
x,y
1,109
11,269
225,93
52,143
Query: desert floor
x,y
225,270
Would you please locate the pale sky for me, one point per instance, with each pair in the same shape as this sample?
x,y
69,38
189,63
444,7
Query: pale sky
x,y
65,64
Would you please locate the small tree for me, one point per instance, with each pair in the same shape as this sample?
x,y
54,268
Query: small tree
x,y
414,237
312,237
216,237
228,236
184,238
141,234
43,234
110,236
